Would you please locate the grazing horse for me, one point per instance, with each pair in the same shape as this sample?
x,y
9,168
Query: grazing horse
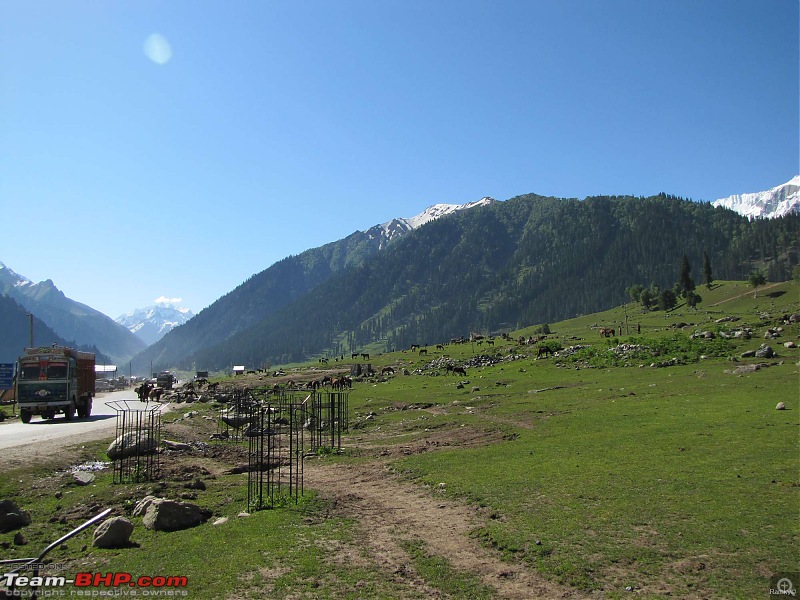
x,y
439,347
607,332
423,351
354,355
387,371
459,371
414,347
365,356
543,351
143,392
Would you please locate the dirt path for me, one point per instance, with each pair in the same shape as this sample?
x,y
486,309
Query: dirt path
x,y
391,510
761,289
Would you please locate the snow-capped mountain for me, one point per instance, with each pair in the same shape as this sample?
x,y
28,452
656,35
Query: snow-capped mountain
x,y
395,228
152,323
777,202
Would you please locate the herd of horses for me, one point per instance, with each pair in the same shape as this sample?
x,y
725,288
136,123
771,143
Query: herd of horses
x,y
149,392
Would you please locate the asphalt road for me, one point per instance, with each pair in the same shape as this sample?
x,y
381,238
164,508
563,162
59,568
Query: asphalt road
x,y
55,433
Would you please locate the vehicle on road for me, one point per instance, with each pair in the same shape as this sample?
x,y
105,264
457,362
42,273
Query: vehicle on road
x,y
55,379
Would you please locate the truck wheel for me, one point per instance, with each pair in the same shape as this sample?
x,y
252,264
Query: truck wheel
x,y
69,412
25,416
85,409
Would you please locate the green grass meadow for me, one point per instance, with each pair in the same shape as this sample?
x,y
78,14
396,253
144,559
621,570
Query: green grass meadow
x,y
598,470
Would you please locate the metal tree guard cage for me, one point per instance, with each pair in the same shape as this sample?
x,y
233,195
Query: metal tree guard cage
x,y
327,418
234,417
275,455
138,437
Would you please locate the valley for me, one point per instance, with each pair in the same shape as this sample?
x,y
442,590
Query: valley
x,y
652,463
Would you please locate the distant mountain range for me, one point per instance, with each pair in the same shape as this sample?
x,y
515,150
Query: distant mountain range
x,y
497,267
71,320
151,323
503,264
777,202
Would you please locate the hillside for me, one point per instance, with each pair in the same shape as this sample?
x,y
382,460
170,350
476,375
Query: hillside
x,y
503,266
16,328
70,319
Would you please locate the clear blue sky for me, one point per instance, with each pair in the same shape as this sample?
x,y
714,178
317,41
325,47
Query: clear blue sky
x,y
252,130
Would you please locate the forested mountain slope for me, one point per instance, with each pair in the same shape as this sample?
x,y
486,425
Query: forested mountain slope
x,y
527,260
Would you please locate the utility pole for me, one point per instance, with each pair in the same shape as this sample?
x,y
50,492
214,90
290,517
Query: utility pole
x,y
30,319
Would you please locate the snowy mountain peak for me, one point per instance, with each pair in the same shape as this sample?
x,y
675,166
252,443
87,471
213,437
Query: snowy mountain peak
x,y
9,277
153,322
400,226
777,202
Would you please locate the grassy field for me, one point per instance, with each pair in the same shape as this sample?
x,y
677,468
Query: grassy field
x,y
596,468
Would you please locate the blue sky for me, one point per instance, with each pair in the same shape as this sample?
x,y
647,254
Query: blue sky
x,y
259,129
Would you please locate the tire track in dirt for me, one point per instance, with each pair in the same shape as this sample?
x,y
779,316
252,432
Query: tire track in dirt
x,y
390,510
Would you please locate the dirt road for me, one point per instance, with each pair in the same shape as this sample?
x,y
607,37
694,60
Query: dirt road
x,y
21,443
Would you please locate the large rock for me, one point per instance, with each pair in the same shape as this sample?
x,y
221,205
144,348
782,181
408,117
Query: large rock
x,y
169,515
765,351
135,443
113,533
12,517
141,507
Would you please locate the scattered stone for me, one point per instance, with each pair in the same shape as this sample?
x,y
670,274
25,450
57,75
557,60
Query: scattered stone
x,y
113,533
780,406
83,477
178,446
169,515
19,539
12,517
135,443
243,514
744,369
789,345
220,521
197,484
748,354
765,351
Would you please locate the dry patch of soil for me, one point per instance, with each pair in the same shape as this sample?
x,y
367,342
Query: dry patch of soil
x,y
391,510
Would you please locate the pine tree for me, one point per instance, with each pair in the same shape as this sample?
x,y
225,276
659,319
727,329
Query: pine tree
x,y
707,270
685,283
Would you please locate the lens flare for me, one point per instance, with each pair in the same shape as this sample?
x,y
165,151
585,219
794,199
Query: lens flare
x,y
157,48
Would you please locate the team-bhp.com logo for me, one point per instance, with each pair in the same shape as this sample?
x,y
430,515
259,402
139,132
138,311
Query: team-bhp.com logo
x,y
88,583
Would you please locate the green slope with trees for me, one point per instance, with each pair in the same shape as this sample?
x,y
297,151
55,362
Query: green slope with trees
x,y
527,260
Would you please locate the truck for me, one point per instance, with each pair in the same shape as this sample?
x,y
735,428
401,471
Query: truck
x,y
165,379
55,379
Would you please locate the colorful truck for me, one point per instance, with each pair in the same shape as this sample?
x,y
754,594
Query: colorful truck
x,y
55,379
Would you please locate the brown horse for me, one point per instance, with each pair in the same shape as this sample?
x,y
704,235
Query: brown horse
x,y
607,332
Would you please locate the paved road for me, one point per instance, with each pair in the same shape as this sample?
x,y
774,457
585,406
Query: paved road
x,y
40,433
